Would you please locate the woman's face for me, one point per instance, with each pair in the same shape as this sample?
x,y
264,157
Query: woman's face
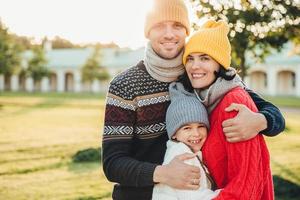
x,y
200,69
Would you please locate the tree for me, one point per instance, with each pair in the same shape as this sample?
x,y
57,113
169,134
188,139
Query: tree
x,y
257,26
60,43
93,70
10,53
37,65
25,43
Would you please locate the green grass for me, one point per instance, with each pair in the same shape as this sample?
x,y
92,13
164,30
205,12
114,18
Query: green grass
x,y
285,101
64,95
285,162
38,137
40,133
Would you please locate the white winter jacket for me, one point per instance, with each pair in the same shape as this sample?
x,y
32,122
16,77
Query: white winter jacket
x,y
165,192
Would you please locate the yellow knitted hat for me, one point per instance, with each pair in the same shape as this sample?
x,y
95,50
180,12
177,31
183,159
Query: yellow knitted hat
x,y
212,40
167,10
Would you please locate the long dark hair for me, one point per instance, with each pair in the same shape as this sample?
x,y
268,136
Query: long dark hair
x,y
223,73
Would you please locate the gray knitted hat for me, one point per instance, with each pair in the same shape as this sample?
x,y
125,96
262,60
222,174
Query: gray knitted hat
x,y
184,108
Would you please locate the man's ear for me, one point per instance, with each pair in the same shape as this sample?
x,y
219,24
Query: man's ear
x,y
174,137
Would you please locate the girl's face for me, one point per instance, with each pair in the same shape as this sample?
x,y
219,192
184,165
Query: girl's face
x,y
200,68
192,134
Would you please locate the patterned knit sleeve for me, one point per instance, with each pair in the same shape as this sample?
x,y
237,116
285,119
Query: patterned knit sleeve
x,y
248,167
120,117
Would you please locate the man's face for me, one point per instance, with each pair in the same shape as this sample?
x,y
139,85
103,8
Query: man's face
x,y
167,39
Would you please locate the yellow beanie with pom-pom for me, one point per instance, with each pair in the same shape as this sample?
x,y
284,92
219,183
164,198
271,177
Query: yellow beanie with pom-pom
x,y
212,40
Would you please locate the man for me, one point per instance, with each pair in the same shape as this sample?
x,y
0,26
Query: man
x,y
134,139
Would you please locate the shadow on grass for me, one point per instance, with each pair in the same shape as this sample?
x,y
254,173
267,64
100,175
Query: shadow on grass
x,y
87,155
285,189
284,169
86,160
64,95
48,103
106,195
83,167
35,169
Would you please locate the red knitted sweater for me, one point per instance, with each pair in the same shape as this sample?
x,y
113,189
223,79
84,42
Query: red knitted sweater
x,y
241,169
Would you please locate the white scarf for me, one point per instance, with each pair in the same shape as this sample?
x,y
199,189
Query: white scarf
x,y
161,69
211,96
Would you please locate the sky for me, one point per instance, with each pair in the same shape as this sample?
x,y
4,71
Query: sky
x,y
80,21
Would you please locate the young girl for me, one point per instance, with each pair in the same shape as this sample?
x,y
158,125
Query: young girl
x,y
241,169
187,126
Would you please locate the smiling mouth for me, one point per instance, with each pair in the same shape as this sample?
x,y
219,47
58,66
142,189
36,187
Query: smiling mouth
x,y
195,141
169,44
198,75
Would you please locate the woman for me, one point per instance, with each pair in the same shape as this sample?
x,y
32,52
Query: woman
x,y
241,169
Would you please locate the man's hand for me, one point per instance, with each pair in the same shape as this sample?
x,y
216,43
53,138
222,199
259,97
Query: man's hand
x,y
177,174
245,125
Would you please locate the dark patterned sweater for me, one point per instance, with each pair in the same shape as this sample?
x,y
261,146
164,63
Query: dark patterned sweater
x,y
134,139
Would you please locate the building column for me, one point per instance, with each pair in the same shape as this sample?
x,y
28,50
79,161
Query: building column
x,y
60,81
96,86
272,81
14,81
298,81
45,84
29,85
1,82
77,81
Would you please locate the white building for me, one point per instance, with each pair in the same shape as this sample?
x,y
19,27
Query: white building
x,y
279,75
65,67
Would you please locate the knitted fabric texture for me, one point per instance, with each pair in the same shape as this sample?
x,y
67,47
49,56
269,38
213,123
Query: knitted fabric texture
x,y
136,106
163,70
241,169
211,39
185,108
167,10
165,192
135,137
211,96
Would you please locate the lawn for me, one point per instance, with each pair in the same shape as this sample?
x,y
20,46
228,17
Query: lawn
x,y
38,137
40,133
285,101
